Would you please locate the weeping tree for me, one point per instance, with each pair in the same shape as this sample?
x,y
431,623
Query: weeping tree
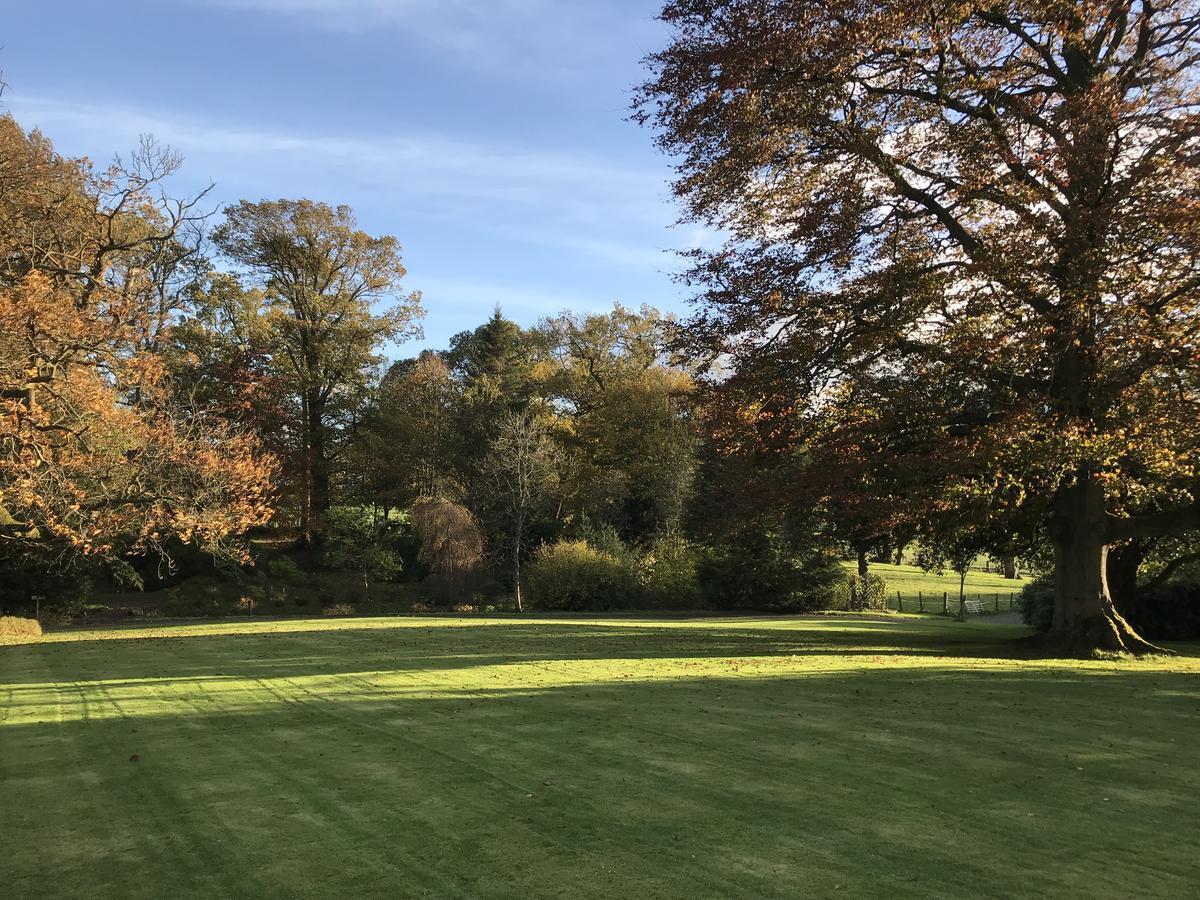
x,y
1001,197
451,542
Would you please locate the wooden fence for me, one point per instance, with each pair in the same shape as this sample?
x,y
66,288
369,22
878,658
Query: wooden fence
x,y
947,604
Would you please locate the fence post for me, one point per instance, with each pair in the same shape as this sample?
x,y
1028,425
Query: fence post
x,y
899,602
1010,602
997,603
945,603
921,599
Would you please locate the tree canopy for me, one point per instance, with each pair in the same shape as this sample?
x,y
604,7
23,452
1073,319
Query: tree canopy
x,y
997,199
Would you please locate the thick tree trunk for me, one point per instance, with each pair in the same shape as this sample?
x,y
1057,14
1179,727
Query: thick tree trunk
x,y
1085,618
863,567
1009,566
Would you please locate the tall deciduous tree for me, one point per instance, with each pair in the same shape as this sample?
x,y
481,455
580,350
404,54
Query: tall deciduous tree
x,y
1001,196
407,443
627,417
85,471
321,278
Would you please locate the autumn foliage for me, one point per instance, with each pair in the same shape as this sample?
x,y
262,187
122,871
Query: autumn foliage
x,y
92,455
100,457
989,205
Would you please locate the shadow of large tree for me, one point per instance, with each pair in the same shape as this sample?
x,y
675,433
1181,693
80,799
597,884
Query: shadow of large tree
x,y
578,760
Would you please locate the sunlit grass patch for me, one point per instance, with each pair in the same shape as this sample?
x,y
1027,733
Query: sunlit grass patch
x,y
589,757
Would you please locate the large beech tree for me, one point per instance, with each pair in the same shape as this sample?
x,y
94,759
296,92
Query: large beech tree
x,y
999,195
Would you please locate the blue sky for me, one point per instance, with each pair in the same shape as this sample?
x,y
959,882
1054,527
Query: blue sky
x,y
489,136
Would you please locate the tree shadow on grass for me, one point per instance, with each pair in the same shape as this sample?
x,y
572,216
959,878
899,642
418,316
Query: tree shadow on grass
x,y
926,781
414,646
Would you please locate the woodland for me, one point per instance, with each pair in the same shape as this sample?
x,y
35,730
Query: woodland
x,y
954,319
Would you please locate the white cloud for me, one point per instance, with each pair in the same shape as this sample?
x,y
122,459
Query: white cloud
x,y
524,303
423,154
534,37
577,202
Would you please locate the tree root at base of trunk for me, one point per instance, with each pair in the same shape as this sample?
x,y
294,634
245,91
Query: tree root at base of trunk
x,y
1109,633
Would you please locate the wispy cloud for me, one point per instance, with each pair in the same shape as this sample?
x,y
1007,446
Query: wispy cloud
x,y
575,201
526,302
534,36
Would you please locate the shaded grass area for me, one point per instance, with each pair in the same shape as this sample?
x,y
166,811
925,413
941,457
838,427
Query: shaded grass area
x,y
571,757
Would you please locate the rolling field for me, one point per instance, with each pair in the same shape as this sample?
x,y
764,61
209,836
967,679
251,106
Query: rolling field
x,y
573,757
913,582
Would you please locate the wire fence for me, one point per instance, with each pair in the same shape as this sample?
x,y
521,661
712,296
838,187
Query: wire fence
x,y
973,603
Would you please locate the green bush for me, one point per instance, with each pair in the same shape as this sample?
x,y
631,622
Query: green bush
x,y
760,569
573,575
1037,603
1168,612
284,568
607,539
354,542
861,594
669,575
16,626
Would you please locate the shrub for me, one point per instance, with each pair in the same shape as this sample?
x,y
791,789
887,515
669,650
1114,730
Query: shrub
x,y
63,611
573,575
444,591
607,539
760,569
1037,603
16,626
354,542
284,568
338,609
1168,612
669,575
861,593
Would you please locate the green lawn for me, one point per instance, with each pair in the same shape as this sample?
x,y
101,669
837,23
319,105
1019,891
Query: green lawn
x,y
572,758
914,583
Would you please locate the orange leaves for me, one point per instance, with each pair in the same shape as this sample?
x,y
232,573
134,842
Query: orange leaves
x,y
92,454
